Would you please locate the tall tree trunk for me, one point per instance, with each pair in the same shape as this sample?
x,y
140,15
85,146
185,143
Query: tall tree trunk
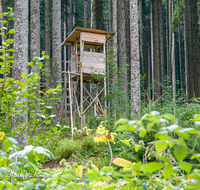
x,y
35,34
196,48
135,63
122,50
86,13
47,42
99,14
161,46
152,60
169,66
56,62
69,25
143,42
127,20
93,17
180,58
156,48
173,61
21,55
114,65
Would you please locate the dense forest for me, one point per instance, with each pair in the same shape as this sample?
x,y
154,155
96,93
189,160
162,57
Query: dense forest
x,y
151,79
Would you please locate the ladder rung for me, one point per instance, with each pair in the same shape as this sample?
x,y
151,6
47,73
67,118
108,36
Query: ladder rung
x,y
64,111
66,104
65,119
65,88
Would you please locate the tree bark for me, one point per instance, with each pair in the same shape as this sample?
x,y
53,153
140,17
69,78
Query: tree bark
x,y
35,34
56,61
86,13
99,14
114,66
135,63
122,50
21,55
156,48
47,41
143,42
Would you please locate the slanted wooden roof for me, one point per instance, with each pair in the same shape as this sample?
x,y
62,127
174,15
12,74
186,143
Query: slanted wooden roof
x,y
75,34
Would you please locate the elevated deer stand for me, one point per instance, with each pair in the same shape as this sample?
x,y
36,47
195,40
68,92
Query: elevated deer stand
x,y
82,68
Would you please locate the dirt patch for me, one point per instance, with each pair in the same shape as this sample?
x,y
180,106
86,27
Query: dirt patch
x,y
52,165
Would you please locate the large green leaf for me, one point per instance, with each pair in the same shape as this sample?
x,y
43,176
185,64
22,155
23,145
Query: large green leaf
x,y
180,152
6,144
185,166
12,140
152,167
168,171
160,146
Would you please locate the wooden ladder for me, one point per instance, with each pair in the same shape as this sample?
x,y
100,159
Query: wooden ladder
x,y
66,108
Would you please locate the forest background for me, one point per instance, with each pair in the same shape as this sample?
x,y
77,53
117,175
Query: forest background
x,y
168,47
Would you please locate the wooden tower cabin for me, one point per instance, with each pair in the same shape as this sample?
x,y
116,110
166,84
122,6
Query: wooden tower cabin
x,y
87,63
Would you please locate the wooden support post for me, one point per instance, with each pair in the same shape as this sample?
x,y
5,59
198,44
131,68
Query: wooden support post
x,y
105,94
70,97
82,117
96,101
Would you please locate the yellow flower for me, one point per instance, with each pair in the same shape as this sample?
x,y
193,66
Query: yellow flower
x,y
2,135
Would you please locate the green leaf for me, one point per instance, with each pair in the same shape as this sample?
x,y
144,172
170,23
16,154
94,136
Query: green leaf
x,y
43,53
170,117
137,166
12,140
152,167
165,159
160,146
6,144
121,121
196,117
3,34
180,152
155,113
185,166
171,128
41,150
40,64
163,137
46,56
143,132
168,171
11,31
190,130
4,171
183,134
24,76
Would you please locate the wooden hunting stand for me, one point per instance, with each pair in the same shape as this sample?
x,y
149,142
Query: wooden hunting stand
x,y
86,63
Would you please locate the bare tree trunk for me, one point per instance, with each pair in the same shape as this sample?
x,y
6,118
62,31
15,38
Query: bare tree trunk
x,y
85,13
21,55
196,48
135,63
161,46
114,66
143,42
93,21
99,14
173,61
180,57
35,34
47,41
56,64
122,50
152,60
156,48
186,62
69,24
